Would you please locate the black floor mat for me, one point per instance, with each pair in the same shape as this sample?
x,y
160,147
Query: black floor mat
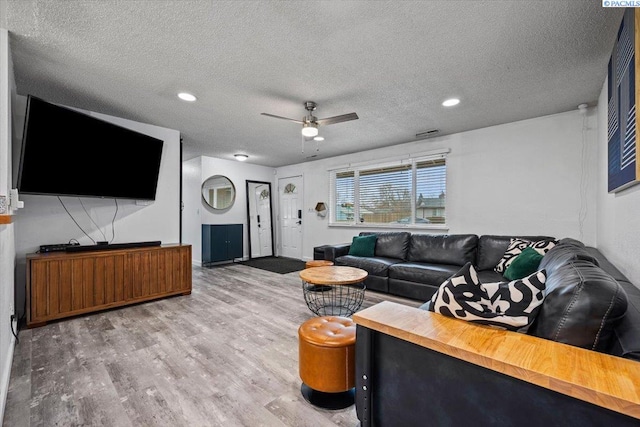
x,y
276,264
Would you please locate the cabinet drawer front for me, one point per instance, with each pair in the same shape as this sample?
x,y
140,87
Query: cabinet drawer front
x,y
72,285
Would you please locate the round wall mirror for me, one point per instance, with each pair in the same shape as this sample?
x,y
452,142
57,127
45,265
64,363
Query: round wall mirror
x,y
218,192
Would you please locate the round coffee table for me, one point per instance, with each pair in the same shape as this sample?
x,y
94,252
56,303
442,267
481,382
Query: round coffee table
x,y
333,291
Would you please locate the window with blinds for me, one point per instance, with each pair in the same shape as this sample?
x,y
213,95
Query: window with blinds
x,y
344,197
408,192
430,194
385,195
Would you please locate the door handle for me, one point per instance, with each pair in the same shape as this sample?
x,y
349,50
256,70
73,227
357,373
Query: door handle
x,y
299,222
258,218
299,213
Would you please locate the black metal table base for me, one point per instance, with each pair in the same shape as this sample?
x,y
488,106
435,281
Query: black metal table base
x,y
334,300
328,400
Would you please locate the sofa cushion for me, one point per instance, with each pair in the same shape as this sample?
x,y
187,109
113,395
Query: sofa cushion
x,y
391,244
515,248
582,307
626,339
508,305
606,265
523,265
491,248
363,246
376,266
413,290
331,252
488,276
430,274
570,241
453,249
565,251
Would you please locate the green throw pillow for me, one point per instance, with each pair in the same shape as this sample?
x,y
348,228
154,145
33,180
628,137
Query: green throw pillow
x,y
523,265
363,245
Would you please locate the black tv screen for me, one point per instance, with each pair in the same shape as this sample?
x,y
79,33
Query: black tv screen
x,y
65,152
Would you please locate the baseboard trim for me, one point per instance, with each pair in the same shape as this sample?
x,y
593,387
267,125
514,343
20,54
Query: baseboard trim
x,y
6,375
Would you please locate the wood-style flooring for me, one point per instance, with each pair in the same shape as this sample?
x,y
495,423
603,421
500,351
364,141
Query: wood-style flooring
x,y
226,355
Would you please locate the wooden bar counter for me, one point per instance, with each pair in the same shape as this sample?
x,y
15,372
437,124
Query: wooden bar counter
x,y
600,379
61,284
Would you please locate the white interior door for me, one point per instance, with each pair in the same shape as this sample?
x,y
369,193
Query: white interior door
x,y
290,192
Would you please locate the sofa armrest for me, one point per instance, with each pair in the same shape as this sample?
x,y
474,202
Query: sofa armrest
x,y
600,380
331,252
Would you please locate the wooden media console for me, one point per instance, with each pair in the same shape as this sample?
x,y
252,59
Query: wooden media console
x,y
61,284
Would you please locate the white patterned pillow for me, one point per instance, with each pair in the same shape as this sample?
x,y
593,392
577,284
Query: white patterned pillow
x,y
506,305
516,246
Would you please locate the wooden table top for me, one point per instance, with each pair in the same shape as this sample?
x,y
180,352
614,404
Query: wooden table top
x,y
333,275
318,263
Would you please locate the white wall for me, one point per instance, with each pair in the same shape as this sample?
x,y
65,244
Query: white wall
x,y
44,221
197,212
7,245
191,220
618,225
519,178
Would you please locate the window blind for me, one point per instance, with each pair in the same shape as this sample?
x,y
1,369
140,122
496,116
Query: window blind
x,y
344,197
430,193
385,194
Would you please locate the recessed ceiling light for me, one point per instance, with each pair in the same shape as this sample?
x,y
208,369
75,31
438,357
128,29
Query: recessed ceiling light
x,y
318,138
451,102
186,96
241,157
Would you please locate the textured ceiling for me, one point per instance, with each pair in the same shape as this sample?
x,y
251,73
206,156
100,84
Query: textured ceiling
x,y
393,63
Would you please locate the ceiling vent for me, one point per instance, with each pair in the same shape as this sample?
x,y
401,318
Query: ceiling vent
x,y
427,134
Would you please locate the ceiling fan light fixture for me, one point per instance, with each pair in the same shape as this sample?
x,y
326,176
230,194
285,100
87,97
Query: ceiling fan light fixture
x,y
309,130
241,157
318,138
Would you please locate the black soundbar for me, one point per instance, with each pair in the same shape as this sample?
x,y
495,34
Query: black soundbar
x,y
87,248
59,247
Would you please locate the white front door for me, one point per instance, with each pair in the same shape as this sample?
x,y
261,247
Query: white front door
x,y
290,192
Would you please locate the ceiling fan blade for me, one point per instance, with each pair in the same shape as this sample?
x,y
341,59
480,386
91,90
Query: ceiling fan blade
x,y
338,119
282,118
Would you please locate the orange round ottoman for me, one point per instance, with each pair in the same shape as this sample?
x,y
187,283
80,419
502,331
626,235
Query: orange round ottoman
x,y
327,352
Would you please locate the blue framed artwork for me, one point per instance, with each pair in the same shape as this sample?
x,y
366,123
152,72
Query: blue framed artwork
x,y
622,132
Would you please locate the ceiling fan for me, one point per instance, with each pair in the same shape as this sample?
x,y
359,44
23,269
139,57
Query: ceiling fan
x,y
310,123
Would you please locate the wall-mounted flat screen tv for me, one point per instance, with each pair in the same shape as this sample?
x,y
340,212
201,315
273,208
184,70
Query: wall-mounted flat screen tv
x,y
68,153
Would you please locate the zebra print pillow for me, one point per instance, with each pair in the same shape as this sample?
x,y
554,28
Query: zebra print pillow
x,y
517,246
507,305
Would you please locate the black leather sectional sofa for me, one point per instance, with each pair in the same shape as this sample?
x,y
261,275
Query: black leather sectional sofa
x,y
414,265
588,304
592,305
